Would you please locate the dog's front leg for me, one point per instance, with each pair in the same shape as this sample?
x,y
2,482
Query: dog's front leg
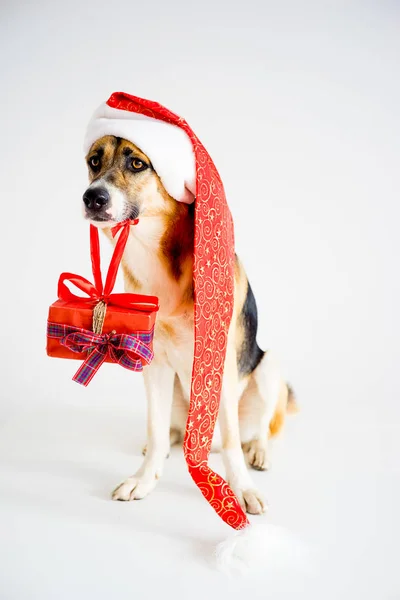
x,y
159,382
237,473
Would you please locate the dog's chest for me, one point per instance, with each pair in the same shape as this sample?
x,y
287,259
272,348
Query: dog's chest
x,y
174,344
147,274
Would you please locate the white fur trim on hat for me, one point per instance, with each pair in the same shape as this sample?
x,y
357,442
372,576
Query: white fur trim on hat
x,y
168,147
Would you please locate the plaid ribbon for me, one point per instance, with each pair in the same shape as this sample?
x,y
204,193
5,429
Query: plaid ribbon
x,y
125,349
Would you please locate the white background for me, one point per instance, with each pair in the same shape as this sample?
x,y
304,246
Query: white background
x,y
297,102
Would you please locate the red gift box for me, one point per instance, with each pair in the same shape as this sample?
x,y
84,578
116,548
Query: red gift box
x,y
101,327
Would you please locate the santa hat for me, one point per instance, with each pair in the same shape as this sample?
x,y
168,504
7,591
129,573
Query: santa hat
x,y
168,147
188,173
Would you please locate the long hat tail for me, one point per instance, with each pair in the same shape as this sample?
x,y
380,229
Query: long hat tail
x,y
213,278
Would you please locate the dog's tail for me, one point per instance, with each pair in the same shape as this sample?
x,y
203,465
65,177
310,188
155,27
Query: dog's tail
x,y
287,404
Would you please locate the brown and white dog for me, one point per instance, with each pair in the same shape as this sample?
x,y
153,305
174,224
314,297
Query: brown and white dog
x,y
158,260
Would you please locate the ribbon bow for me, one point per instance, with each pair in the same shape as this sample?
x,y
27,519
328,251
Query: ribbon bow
x,y
125,349
97,291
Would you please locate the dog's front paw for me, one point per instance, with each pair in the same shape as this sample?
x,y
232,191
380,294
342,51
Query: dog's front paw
x,y
251,500
134,488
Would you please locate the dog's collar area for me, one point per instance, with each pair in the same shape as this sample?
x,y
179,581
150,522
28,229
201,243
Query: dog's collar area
x,y
122,224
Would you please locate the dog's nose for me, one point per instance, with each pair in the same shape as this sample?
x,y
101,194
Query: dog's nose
x,y
96,198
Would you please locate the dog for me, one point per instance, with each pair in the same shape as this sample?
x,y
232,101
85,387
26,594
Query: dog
x,y
158,260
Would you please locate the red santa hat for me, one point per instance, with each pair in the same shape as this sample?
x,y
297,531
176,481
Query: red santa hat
x,y
188,172
168,146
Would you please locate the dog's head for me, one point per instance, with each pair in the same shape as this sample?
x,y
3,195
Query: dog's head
x,y
123,184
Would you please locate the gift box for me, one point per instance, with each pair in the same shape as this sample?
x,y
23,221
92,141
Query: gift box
x,y
101,326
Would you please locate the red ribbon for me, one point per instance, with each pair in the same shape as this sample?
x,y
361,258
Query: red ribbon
x,y
96,292
121,224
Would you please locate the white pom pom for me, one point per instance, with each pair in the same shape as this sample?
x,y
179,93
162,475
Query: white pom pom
x,y
259,547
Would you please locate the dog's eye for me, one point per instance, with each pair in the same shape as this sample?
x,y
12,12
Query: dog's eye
x,y
137,164
94,163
